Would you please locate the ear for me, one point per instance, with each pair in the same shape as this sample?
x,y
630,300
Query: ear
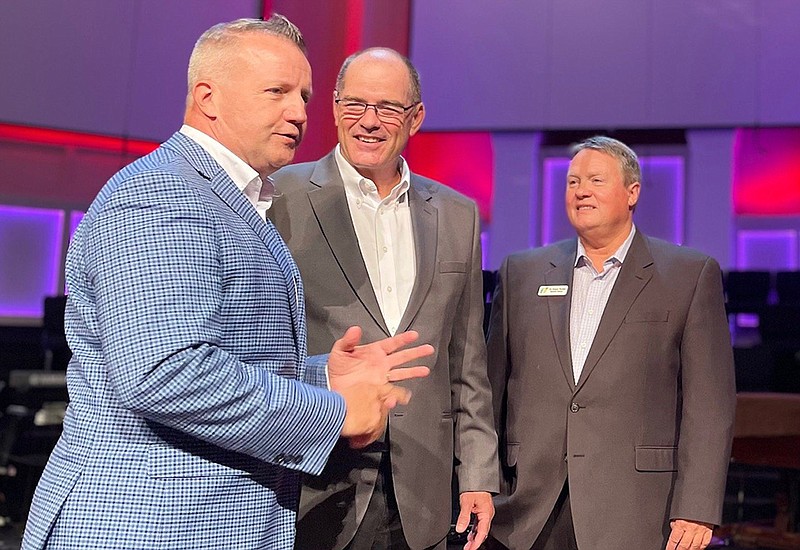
x,y
633,194
335,107
205,98
417,118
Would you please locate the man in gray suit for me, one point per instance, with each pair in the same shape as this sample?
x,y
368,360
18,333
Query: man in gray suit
x,y
612,377
383,248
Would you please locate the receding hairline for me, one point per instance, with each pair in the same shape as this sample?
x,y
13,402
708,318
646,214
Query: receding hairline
x,y
383,53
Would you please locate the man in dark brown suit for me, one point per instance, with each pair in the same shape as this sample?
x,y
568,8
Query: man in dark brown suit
x,y
612,375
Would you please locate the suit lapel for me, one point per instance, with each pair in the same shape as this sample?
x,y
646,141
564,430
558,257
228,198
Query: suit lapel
x,y
560,273
329,203
425,222
229,194
635,273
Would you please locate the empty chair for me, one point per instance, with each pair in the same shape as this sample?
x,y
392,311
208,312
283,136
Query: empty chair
x,y
747,291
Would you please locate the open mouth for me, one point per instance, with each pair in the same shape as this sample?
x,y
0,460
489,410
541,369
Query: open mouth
x,y
368,139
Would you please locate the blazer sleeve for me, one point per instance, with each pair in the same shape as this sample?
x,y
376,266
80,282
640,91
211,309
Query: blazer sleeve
x,y
709,402
153,262
475,445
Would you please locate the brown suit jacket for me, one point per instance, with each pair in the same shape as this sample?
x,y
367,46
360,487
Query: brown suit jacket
x,y
450,416
645,435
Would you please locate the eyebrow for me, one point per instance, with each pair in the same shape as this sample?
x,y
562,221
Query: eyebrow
x,y
362,100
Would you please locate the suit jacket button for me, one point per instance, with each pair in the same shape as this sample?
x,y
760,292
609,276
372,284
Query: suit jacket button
x,y
574,407
280,459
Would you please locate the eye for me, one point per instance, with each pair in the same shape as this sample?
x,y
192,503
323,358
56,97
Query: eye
x,y
388,109
276,90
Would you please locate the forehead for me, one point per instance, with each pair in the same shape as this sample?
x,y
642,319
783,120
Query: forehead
x,y
380,74
263,56
595,162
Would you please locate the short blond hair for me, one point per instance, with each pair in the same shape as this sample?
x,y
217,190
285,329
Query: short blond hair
x,y
210,48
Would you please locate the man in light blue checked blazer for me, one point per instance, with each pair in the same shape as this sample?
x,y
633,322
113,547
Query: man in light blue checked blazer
x,y
193,409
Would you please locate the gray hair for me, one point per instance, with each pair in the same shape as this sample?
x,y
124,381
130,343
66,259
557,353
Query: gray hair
x,y
628,161
209,48
413,75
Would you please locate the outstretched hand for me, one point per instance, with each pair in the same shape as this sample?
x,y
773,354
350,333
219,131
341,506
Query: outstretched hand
x,y
377,363
362,374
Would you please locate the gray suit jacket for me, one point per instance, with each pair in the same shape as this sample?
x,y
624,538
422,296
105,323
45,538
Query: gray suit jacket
x,y
449,417
645,435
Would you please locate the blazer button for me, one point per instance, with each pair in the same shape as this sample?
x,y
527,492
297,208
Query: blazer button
x,y
280,459
574,407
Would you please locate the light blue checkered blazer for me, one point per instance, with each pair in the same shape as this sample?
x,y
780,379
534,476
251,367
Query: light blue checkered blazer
x,y
188,425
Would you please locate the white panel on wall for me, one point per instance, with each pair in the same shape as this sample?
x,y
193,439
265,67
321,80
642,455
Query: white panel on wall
x,y
598,62
114,67
703,61
561,64
475,64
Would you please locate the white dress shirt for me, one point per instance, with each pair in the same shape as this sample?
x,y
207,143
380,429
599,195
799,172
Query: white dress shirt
x,y
385,237
245,177
590,292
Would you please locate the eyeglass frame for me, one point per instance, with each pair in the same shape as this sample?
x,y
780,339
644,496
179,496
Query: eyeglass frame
x,y
376,106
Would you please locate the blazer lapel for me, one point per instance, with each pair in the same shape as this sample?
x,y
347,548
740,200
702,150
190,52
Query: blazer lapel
x,y
329,203
229,194
425,223
635,273
561,274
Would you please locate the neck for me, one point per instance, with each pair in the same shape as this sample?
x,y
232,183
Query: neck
x,y
385,180
600,248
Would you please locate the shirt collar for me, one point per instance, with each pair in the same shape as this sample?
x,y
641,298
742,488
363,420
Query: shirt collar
x,y
242,174
358,186
618,256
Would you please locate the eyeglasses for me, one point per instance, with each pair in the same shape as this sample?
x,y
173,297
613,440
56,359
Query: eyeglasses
x,y
384,111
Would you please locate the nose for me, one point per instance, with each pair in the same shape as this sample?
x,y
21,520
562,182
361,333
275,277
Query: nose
x,y
369,120
583,190
296,111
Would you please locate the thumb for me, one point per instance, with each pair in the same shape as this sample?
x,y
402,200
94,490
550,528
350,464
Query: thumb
x,y
350,339
394,395
463,519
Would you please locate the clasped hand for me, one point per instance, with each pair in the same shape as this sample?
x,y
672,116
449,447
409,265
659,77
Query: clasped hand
x,y
363,375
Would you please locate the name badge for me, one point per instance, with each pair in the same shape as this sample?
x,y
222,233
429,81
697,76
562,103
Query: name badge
x,y
553,290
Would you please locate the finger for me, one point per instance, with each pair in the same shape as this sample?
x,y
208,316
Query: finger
x,y
706,538
674,538
407,373
394,343
349,340
463,518
407,355
692,542
400,395
481,530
